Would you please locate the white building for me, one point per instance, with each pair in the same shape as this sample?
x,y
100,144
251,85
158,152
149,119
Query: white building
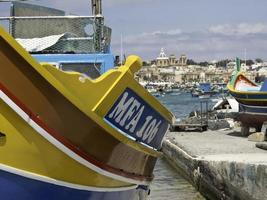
x,y
162,60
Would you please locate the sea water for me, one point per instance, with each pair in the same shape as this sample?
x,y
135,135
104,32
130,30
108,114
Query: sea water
x,y
182,104
168,183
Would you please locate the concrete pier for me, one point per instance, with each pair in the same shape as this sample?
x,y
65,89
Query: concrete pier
x,y
220,164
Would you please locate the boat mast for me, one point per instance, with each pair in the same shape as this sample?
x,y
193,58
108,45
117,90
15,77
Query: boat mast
x,y
96,7
246,57
121,50
99,23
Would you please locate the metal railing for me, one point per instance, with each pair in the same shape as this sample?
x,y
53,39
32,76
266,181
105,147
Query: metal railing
x,y
76,34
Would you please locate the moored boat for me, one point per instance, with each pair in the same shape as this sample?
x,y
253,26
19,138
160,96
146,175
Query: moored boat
x,y
252,99
67,135
204,91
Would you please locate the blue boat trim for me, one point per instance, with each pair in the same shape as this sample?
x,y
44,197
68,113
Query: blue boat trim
x,y
106,60
248,96
264,86
15,186
262,110
129,136
133,116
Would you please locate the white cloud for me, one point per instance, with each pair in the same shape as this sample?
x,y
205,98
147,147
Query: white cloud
x,y
218,42
240,29
168,33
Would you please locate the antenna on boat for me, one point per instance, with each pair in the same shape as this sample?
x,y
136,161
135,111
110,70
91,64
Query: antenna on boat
x,y
238,66
245,57
121,60
96,6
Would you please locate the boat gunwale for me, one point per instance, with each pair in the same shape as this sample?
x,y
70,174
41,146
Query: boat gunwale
x,y
23,53
232,89
57,182
136,179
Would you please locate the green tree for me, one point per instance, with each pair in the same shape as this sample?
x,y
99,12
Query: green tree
x,y
204,64
258,60
191,62
145,63
223,63
249,62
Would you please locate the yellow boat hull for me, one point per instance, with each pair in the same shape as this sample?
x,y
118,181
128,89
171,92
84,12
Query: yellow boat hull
x,y
105,133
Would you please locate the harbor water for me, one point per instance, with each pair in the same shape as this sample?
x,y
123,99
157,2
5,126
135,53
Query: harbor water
x,y
182,103
168,183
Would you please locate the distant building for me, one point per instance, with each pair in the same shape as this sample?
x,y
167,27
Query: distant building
x,y
182,60
172,60
169,69
244,67
162,60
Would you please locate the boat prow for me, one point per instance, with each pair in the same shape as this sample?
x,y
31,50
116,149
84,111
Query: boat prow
x,y
107,132
252,100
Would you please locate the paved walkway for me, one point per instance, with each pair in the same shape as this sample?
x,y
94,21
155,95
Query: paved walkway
x,y
222,145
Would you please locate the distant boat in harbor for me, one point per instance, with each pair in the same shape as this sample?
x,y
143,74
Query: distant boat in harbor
x,y
151,89
204,96
204,91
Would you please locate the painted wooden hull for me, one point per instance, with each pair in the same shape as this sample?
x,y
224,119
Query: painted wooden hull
x,y
73,116
252,104
256,98
30,189
252,116
32,167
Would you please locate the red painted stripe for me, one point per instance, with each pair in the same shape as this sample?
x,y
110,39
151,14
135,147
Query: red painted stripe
x,y
243,78
69,144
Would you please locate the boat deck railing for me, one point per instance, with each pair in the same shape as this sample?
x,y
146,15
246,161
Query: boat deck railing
x,y
58,34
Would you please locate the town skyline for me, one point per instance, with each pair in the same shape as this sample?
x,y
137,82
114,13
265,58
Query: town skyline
x,y
192,61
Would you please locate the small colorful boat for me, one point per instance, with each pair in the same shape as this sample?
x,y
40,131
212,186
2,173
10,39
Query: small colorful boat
x,y
204,91
65,135
252,99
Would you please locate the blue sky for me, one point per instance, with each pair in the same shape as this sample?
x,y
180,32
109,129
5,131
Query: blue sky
x,y
202,29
